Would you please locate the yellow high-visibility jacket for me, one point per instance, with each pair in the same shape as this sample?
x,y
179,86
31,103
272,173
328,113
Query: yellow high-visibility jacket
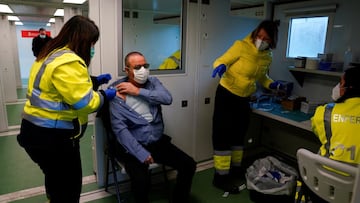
x,y
172,62
342,141
245,65
60,93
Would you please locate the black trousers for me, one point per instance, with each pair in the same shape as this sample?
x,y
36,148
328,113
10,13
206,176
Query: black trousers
x,y
230,120
163,152
59,159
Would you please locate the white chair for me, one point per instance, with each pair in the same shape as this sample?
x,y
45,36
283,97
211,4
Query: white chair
x,y
327,184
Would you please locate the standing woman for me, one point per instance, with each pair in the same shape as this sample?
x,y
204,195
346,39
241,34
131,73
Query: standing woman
x,y
59,98
246,62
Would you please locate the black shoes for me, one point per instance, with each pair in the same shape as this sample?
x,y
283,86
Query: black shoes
x,y
225,183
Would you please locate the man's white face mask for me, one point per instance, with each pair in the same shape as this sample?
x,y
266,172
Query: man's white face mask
x,y
261,45
141,75
336,92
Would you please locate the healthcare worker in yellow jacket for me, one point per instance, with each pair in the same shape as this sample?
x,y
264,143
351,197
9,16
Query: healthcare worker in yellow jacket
x,y
59,98
337,124
246,62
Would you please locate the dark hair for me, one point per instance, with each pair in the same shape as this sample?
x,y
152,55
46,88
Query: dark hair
x,y
131,54
78,33
41,29
352,83
271,28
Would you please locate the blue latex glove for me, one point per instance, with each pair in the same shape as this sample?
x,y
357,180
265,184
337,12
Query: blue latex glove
x,y
103,78
276,85
220,70
110,93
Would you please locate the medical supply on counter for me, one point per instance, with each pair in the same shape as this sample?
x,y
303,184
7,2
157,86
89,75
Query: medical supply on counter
x,y
308,107
299,62
325,57
324,65
292,103
263,102
312,63
331,66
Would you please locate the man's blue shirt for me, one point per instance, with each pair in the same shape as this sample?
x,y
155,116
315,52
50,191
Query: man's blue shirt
x,y
130,128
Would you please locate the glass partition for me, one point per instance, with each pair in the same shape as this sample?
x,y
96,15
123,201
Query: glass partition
x,y
154,28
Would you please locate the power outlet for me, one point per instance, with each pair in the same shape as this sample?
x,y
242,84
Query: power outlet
x,y
184,103
207,100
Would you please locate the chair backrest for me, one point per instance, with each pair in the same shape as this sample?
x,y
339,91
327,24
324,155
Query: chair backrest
x,y
334,185
356,193
111,145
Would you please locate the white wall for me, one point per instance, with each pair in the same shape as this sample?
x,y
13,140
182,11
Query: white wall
x,y
7,68
16,60
3,114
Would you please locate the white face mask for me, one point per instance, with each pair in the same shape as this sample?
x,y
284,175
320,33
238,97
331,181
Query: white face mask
x,y
336,92
141,75
261,45
42,36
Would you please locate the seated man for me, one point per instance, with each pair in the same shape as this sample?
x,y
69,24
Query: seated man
x,y
137,123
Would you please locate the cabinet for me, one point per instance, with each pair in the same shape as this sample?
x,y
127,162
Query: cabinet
x,y
300,73
286,139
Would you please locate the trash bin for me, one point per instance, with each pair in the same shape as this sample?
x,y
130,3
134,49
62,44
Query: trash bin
x,y
271,180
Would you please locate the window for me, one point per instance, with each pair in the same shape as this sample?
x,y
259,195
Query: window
x,y
307,36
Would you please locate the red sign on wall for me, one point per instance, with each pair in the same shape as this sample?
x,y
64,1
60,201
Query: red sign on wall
x,y
32,33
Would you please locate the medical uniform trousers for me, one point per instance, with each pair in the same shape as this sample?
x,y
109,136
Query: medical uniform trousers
x,y
163,152
59,159
230,124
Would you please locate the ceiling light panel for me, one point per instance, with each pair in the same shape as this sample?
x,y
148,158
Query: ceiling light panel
x,y
13,18
74,1
5,9
59,12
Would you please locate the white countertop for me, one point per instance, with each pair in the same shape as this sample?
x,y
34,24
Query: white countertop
x,y
306,125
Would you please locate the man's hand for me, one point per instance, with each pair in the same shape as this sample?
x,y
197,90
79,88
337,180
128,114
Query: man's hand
x,y
128,88
149,160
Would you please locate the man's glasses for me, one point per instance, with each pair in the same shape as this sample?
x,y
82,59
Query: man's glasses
x,y
137,67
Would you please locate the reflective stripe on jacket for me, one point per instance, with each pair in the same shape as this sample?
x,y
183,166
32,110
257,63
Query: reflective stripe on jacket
x,y
339,138
244,66
60,92
172,62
